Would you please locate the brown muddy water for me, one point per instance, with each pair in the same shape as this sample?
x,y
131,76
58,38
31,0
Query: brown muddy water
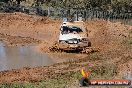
x,y
16,57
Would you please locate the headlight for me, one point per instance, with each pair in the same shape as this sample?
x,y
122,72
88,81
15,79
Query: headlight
x,y
75,42
70,42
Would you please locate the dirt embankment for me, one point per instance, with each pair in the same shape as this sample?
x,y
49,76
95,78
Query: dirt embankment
x,y
114,42
33,27
110,38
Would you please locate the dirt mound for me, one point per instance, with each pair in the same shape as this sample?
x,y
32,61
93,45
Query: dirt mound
x,y
19,24
17,40
105,33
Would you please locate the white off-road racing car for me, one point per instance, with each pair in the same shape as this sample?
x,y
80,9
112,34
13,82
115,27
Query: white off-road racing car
x,y
73,35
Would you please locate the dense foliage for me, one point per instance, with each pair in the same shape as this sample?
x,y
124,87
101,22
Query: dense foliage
x,y
116,5
120,5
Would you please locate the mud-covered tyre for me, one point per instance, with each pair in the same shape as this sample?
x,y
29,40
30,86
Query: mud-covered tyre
x,y
89,44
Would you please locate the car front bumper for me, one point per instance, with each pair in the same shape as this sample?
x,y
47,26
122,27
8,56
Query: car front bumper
x,y
78,46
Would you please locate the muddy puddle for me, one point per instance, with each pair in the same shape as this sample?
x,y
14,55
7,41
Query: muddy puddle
x,y
16,57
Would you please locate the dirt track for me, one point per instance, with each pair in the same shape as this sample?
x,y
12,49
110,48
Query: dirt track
x,y
110,38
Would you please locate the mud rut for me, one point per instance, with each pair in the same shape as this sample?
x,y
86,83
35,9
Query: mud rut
x,y
86,50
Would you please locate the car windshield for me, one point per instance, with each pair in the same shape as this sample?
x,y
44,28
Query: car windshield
x,y
73,29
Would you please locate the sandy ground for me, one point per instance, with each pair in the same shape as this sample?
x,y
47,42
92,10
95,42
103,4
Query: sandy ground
x,y
21,29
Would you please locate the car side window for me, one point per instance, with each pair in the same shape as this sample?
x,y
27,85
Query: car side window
x,y
66,30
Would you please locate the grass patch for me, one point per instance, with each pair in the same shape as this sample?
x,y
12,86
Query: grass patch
x,y
51,83
62,81
18,85
130,32
103,71
54,83
127,41
97,56
130,41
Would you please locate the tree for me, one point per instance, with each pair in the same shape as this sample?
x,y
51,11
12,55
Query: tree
x,y
6,1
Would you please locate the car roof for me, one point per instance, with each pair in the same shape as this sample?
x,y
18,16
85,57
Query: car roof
x,y
79,24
